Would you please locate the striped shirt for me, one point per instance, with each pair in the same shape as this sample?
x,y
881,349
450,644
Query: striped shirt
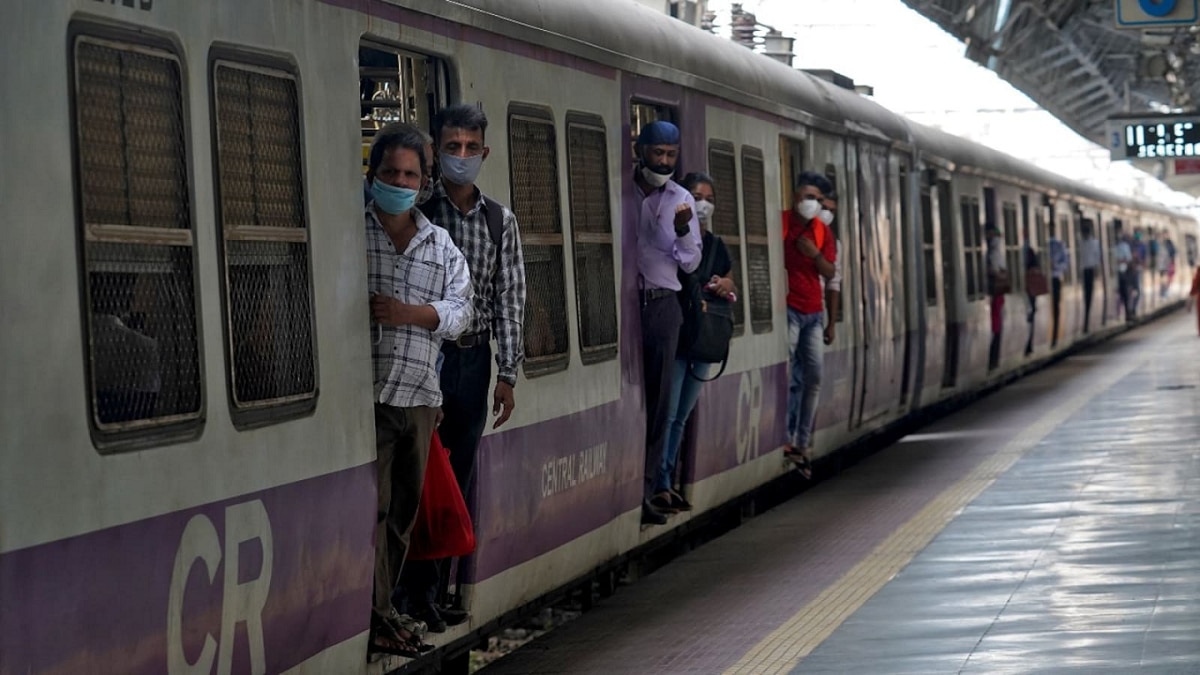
x,y
430,272
499,289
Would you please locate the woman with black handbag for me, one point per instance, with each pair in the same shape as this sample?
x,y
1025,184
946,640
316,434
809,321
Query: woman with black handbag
x,y
707,298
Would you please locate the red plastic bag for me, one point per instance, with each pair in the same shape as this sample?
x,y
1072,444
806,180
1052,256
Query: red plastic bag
x,y
443,526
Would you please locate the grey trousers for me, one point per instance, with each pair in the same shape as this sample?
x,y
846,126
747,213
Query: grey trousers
x,y
402,437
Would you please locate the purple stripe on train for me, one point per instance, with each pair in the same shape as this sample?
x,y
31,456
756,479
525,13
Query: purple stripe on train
x,y
137,597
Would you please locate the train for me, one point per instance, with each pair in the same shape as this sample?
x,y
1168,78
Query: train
x,y
186,430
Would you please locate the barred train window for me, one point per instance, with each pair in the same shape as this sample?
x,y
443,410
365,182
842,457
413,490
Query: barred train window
x,y
1012,247
261,209
723,168
533,167
591,227
758,244
973,249
928,243
137,242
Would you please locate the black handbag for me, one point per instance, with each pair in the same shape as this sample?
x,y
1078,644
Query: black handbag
x,y
709,320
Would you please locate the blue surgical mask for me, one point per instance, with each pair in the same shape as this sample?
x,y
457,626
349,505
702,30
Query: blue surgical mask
x,y
460,170
391,199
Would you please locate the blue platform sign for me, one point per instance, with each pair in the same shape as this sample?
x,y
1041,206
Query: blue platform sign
x,y
1151,13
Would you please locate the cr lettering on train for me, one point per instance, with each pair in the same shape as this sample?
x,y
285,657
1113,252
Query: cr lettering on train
x,y
240,600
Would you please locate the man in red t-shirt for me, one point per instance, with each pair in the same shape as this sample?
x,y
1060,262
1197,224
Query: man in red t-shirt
x,y
809,253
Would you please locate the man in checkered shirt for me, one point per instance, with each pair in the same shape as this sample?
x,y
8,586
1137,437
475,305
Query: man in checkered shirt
x,y
498,276
420,295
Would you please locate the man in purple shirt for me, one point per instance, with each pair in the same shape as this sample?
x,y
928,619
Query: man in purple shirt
x,y
668,242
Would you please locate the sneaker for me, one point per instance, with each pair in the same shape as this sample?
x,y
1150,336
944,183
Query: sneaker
x,y
432,618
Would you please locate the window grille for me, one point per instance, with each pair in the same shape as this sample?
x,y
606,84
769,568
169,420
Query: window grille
x,y
535,201
261,210
137,241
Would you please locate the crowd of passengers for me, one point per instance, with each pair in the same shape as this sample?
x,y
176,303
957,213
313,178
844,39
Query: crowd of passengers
x,y
446,278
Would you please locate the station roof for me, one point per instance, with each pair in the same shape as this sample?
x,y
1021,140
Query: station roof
x,y
1073,60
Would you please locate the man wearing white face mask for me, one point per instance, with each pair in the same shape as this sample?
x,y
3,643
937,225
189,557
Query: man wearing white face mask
x,y
668,240
486,232
808,255
833,287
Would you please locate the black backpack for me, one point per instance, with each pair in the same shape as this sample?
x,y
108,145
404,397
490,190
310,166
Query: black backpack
x,y
708,319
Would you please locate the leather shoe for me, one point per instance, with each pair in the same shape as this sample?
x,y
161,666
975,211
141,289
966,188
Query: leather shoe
x,y
651,515
453,616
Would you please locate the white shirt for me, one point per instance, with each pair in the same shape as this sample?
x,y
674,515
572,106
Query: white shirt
x,y
431,271
1124,255
1089,253
995,255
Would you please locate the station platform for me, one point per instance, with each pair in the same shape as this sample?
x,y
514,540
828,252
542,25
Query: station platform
x,y
1053,526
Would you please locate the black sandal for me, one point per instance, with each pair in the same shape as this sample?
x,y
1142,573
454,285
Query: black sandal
x,y
678,502
800,459
387,639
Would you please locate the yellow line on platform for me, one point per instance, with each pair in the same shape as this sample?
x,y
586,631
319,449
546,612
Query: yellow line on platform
x,y
783,649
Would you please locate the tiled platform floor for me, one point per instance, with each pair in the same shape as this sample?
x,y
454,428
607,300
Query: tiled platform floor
x,y
1051,527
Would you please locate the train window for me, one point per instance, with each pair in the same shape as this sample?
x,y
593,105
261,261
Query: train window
x,y
1012,247
758,247
258,148
723,168
398,86
928,243
137,242
591,232
791,163
642,113
533,166
973,249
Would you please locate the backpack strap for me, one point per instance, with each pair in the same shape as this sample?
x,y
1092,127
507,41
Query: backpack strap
x,y
494,213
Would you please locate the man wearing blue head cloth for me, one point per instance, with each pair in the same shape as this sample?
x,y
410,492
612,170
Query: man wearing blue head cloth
x,y
668,236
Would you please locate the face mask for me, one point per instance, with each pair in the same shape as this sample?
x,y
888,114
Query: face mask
x,y
808,208
654,178
460,170
392,200
704,210
826,216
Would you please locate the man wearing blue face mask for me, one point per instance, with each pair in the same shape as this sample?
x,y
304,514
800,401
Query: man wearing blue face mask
x,y
668,236
420,295
487,234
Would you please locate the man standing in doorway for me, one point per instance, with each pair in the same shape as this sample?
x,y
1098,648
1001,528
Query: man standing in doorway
x,y
486,232
998,287
809,253
833,287
1058,269
420,295
668,236
1089,260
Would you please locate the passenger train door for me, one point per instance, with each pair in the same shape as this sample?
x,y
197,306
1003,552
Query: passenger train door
x,y
950,291
880,379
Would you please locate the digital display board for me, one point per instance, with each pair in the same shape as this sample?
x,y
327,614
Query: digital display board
x,y
1154,137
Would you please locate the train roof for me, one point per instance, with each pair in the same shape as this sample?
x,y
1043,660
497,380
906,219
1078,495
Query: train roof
x,y
626,35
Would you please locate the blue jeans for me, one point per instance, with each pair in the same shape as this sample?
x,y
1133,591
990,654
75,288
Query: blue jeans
x,y
805,343
685,391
